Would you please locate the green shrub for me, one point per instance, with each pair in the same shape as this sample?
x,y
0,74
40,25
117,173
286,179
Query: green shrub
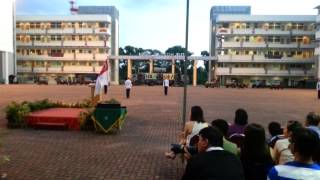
x,y
16,113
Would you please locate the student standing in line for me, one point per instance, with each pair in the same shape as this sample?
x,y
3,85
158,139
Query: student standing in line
x,y
166,86
128,86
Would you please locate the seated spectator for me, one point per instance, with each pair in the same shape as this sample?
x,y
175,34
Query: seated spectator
x,y
240,122
212,162
191,131
302,143
281,151
255,154
312,122
223,127
276,133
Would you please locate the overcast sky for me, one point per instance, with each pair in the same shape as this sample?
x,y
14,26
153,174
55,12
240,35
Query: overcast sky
x,y
159,24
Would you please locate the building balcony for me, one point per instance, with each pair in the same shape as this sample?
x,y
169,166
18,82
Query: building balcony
x,y
235,44
39,69
78,69
233,71
24,69
55,69
61,31
318,35
261,31
106,44
264,59
317,51
30,31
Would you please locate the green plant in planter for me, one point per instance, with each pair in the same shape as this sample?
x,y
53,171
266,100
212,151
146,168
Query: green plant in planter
x,y
86,122
112,101
41,104
15,114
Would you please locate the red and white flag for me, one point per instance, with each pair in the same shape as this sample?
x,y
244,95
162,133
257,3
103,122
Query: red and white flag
x,y
102,79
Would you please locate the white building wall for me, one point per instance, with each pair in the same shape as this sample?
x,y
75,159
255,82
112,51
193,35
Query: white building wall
x,y
7,39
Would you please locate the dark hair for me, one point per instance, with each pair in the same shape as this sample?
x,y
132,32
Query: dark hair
x,y
275,128
312,119
214,136
241,117
293,125
255,146
304,141
196,114
222,125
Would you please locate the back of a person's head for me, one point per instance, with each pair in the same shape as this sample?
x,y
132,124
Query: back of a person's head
x,y
222,125
214,136
255,141
275,128
241,117
293,125
312,119
196,114
304,142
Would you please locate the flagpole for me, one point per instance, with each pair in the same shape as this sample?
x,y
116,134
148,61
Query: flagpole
x,y
184,109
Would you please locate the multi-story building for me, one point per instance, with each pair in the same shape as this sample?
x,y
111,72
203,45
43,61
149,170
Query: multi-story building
x,y
73,46
317,50
261,49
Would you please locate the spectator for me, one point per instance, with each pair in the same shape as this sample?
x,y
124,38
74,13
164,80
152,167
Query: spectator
x,y
312,122
240,122
223,127
302,143
213,162
276,133
281,151
255,155
191,130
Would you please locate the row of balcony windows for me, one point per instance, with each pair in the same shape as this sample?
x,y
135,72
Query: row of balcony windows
x,y
269,25
271,39
61,38
60,25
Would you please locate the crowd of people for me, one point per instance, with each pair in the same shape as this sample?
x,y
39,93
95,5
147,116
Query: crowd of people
x,y
242,150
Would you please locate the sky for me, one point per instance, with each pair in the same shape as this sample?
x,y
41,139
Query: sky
x,y
160,24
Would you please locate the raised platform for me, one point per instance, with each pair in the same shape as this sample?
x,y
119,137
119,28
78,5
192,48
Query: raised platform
x,y
56,118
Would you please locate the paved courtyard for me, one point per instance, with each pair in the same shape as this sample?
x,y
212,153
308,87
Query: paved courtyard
x,y
153,123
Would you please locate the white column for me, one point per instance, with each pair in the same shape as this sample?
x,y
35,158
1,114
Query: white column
x,y
195,77
151,66
173,66
116,71
129,70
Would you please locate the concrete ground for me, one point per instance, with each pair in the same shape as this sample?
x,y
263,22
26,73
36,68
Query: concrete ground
x,y
153,122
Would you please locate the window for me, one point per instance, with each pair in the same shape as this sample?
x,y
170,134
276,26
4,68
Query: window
x,y
103,24
56,25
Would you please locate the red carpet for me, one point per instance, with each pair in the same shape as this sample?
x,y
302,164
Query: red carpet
x,y
68,117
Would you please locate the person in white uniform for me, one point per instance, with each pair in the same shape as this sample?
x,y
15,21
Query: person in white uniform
x,y
128,86
166,86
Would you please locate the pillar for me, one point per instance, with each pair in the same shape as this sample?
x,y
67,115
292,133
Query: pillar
x,y
173,66
209,71
129,68
151,66
195,77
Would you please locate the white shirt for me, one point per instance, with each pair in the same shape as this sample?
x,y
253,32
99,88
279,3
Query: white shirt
x,y
128,84
318,85
166,82
282,147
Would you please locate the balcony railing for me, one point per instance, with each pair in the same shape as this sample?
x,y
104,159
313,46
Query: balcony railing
x,y
235,44
264,58
65,57
262,31
263,72
78,69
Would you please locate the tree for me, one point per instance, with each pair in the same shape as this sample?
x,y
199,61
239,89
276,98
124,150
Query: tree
x,y
177,50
